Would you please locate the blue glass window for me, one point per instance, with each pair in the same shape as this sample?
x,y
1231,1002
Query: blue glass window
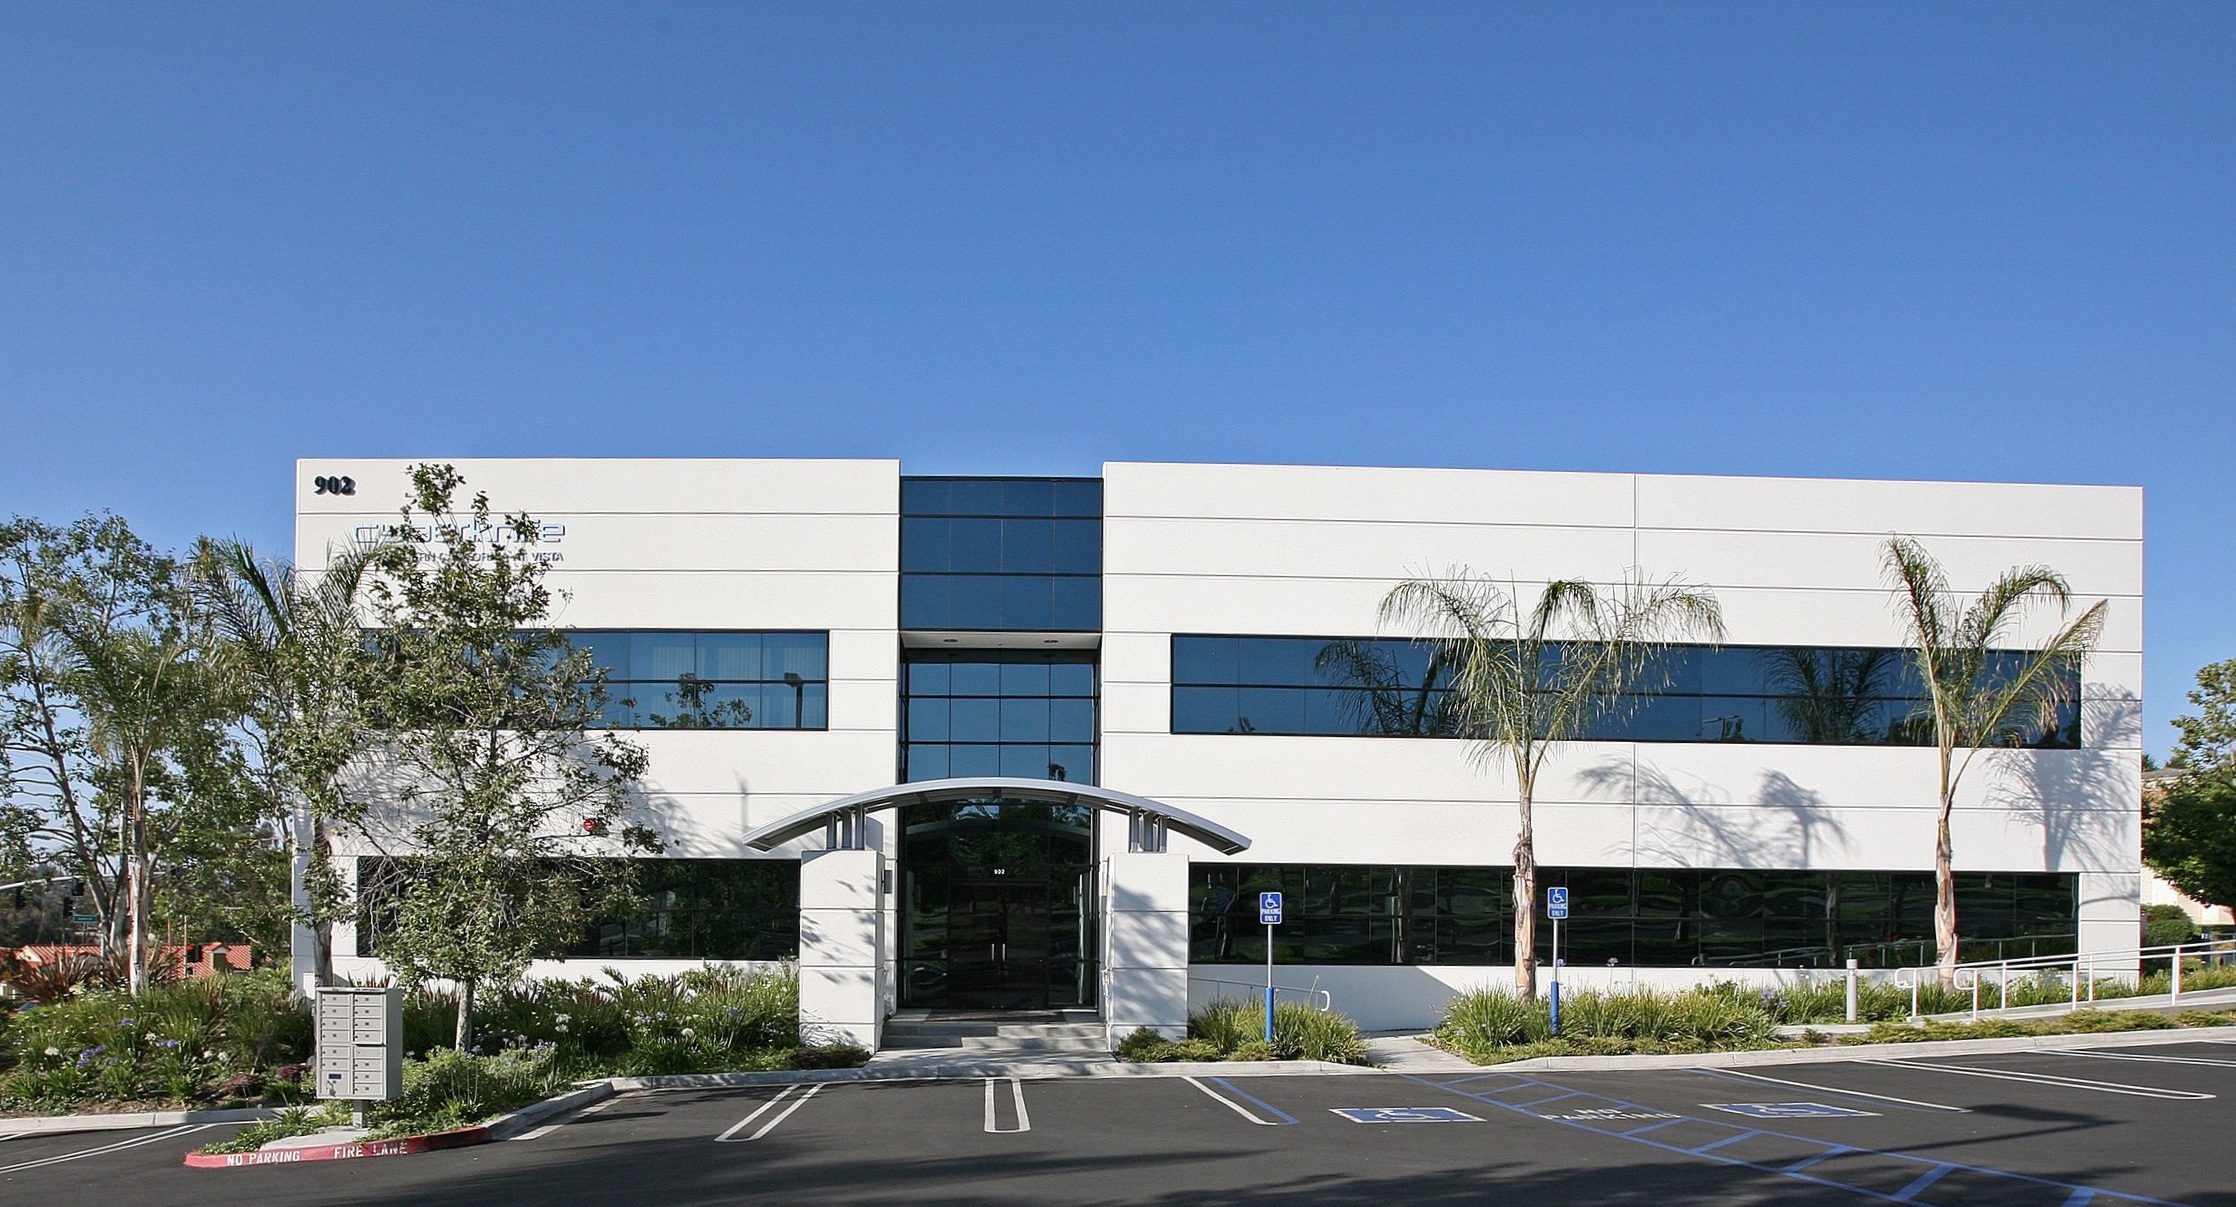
x,y
1017,554
1020,713
673,679
1385,687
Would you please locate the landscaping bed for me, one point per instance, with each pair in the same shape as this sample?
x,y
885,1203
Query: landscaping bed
x,y
1232,1030
1493,1027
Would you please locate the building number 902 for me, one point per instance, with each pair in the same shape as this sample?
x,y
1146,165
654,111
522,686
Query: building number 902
x,y
333,486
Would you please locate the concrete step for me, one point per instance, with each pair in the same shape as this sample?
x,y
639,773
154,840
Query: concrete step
x,y
928,1029
993,1043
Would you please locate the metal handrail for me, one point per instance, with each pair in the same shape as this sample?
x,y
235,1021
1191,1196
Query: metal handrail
x,y
2080,968
1327,999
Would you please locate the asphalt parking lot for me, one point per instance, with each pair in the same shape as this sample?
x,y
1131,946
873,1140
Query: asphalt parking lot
x,y
2110,1126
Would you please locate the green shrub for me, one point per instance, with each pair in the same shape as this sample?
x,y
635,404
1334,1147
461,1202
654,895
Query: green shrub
x,y
1300,1031
184,1043
451,1089
1486,1024
1187,1049
2204,1018
1142,1045
1256,1049
828,1056
2166,925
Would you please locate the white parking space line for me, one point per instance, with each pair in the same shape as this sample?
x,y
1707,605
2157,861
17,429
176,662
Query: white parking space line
x,y
1017,1091
1810,1085
2075,1083
770,1126
2151,1058
1230,1104
584,1113
105,1149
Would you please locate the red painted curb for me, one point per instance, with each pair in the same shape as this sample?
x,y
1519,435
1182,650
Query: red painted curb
x,y
401,1146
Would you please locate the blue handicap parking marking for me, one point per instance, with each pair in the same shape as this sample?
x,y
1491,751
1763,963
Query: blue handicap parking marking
x,y
1786,1110
1404,1114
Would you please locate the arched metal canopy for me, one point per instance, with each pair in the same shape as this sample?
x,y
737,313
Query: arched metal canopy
x,y
842,819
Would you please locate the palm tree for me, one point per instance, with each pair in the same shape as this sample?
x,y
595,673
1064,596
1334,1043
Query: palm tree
x,y
1522,684
296,646
1976,691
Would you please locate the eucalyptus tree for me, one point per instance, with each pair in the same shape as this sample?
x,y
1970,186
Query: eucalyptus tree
x,y
1523,682
1980,691
296,644
497,806
113,712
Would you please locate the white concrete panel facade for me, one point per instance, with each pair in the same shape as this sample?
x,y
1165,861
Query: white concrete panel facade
x,y
1310,552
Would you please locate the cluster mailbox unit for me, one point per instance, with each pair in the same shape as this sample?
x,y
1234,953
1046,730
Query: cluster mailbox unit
x,y
360,1043
986,743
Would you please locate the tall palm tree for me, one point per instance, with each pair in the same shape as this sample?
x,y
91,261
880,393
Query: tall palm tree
x,y
1977,691
1523,683
295,645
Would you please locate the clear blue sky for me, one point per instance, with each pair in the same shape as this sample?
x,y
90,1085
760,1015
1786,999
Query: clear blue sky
x,y
1881,240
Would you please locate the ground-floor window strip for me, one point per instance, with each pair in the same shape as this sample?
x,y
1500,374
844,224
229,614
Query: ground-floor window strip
x,y
1693,917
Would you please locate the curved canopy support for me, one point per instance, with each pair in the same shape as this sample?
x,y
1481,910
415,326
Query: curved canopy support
x,y
842,819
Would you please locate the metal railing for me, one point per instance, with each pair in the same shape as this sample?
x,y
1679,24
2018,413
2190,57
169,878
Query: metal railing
x,y
1325,1003
2079,970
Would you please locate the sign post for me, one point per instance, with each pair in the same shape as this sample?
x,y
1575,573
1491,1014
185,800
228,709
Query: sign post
x,y
1556,908
1269,912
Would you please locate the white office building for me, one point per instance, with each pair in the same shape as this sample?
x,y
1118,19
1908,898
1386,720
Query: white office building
x,y
1030,743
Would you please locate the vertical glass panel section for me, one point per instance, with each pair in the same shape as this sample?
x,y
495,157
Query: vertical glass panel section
x,y
975,545
975,720
974,601
1024,720
1272,710
927,762
1074,762
925,496
1076,547
1027,762
805,655
815,711
1267,661
1071,678
927,719
1075,604
1078,497
1210,660
924,544
974,761
1024,678
1071,720
926,601
610,651
1027,602
1028,496
975,496
1028,546
661,655
977,679
730,655
1206,710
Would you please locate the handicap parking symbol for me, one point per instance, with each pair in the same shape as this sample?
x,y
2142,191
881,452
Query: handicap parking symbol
x,y
1404,1114
1786,1110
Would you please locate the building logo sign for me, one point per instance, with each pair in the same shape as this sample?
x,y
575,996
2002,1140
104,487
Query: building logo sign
x,y
540,533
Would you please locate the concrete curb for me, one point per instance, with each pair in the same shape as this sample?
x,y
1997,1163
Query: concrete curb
x,y
504,1127
1834,1054
1022,1071
49,1124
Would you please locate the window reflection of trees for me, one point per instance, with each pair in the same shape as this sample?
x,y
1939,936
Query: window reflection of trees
x,y
1833,696
1379,696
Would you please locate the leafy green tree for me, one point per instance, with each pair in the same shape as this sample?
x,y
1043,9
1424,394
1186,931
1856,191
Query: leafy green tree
x,y
502,812
2189,831
296,647
115,716
1979,693
1522,684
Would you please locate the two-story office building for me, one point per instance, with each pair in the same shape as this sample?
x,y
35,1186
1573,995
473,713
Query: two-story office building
x,y
1057,734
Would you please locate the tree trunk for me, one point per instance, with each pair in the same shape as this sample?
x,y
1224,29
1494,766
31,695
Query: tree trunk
x,y
1944,887
465,1015
136,823
1525,902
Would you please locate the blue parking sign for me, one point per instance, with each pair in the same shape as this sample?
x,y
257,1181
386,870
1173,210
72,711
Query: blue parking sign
x,y
1556,902
1269,909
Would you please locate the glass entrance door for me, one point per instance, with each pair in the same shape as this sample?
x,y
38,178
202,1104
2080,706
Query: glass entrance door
x,y
998,945
997,907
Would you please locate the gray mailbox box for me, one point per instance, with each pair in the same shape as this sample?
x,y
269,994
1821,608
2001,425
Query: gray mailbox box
x,y
360,1043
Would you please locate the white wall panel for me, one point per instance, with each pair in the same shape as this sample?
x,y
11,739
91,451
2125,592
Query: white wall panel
x,y
679,485
1920,508
1302,548
1360,493
1854,561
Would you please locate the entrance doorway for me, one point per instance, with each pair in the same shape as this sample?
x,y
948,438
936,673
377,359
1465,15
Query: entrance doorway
x,y
998,907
